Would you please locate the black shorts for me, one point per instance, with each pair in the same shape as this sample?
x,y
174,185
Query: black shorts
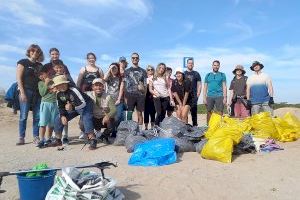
x,y
135,100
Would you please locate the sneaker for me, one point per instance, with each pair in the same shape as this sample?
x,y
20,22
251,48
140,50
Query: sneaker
x,y
65,141
36,140
93,144
55,143
47,142
98,134
82,136
21,141
104,139
41,145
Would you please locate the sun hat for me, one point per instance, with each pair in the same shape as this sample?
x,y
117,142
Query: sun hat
x,y
98,80
58,80
256,63
239,67
179,69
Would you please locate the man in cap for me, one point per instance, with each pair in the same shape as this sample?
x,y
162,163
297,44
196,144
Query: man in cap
x,y
259,90
104,109
71,103
123,65
195,79
215,90
237,93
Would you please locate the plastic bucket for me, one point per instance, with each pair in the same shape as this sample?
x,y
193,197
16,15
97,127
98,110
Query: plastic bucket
x,y
35,188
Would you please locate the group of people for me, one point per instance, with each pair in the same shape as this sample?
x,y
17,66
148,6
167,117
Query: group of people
x,y
103,100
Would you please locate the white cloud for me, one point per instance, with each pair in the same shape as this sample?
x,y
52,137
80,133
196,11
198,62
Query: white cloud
x,y
10,48
76,60
244,31
106,57
26,11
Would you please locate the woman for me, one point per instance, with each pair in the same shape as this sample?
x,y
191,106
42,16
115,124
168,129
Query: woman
x,y
237,95
88,73
27,78
161,92
181,89
115,88
149,104
54,56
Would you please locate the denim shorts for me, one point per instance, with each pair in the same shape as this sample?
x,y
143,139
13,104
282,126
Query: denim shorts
x,y
48,113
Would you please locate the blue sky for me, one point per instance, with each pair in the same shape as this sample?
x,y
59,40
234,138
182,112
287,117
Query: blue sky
x,y
232,31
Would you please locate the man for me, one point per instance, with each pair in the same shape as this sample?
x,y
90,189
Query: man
x,y
259,90
104,110
195,79
215,90
135,89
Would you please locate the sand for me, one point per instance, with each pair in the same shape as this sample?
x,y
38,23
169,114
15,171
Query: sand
x,y
274,175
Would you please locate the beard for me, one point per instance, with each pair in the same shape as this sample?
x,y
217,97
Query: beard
x,y
215,70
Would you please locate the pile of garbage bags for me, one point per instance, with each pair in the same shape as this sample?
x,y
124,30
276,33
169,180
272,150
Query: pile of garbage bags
x,y
85,185
228,135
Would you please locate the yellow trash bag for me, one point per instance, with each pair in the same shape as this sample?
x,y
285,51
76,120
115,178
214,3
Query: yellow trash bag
x,y
230,131
213,124
263,126
219,149
243,125
286,132
292,120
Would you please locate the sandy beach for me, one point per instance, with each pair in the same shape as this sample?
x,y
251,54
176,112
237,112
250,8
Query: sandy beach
x,y
272,175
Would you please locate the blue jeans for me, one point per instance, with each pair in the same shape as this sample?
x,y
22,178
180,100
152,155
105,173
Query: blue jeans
x,y
34,101
120,114
86,115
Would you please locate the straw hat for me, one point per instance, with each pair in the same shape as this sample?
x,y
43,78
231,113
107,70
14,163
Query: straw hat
x,y
58,80
239,67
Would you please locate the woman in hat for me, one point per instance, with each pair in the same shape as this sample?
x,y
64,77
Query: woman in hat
x,y
181,89
237,93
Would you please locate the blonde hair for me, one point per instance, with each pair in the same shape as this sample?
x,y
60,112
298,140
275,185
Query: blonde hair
x,y
164,75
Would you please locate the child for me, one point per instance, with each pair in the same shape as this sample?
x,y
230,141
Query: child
x,y
48,108
59,69
71,103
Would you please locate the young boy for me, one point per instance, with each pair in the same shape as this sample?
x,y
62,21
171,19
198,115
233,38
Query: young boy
x,y
71,103
48,108
59,69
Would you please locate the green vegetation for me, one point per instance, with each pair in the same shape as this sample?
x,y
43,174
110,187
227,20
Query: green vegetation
x,y
202,109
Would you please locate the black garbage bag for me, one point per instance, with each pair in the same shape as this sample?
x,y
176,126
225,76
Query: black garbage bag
x,y
124,129
183,145
193,133
199,146
133,140
245,146
149,134
171,127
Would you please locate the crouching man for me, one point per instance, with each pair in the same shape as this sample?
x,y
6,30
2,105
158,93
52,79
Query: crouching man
x,y
71,103
104,110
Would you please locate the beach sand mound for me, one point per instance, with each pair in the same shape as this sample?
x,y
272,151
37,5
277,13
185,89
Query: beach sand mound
x,y
280,112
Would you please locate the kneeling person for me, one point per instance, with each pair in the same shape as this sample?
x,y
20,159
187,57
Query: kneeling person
x,y
104,109
71,103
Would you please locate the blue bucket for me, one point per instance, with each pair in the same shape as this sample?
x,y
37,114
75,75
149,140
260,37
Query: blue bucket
x,y
35,187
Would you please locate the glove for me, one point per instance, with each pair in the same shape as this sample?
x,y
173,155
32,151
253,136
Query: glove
x,y
248,103
271,101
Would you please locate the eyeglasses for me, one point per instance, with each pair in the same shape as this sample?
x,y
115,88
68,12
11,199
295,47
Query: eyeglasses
x,y
134,58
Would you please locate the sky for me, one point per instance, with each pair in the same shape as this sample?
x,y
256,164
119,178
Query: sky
x,y
232,31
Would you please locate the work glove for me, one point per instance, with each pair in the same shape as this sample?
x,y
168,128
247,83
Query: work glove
x,y
271,101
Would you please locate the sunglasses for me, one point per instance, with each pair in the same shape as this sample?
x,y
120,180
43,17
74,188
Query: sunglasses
x,y
134,58
150,69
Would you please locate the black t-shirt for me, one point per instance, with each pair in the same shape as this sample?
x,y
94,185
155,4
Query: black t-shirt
x,y
194,77
30,76
182,89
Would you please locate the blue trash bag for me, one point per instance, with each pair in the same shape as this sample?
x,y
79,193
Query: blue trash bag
x,y
155,152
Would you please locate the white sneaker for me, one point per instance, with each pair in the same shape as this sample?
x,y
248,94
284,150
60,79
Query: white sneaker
x,y
82,135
